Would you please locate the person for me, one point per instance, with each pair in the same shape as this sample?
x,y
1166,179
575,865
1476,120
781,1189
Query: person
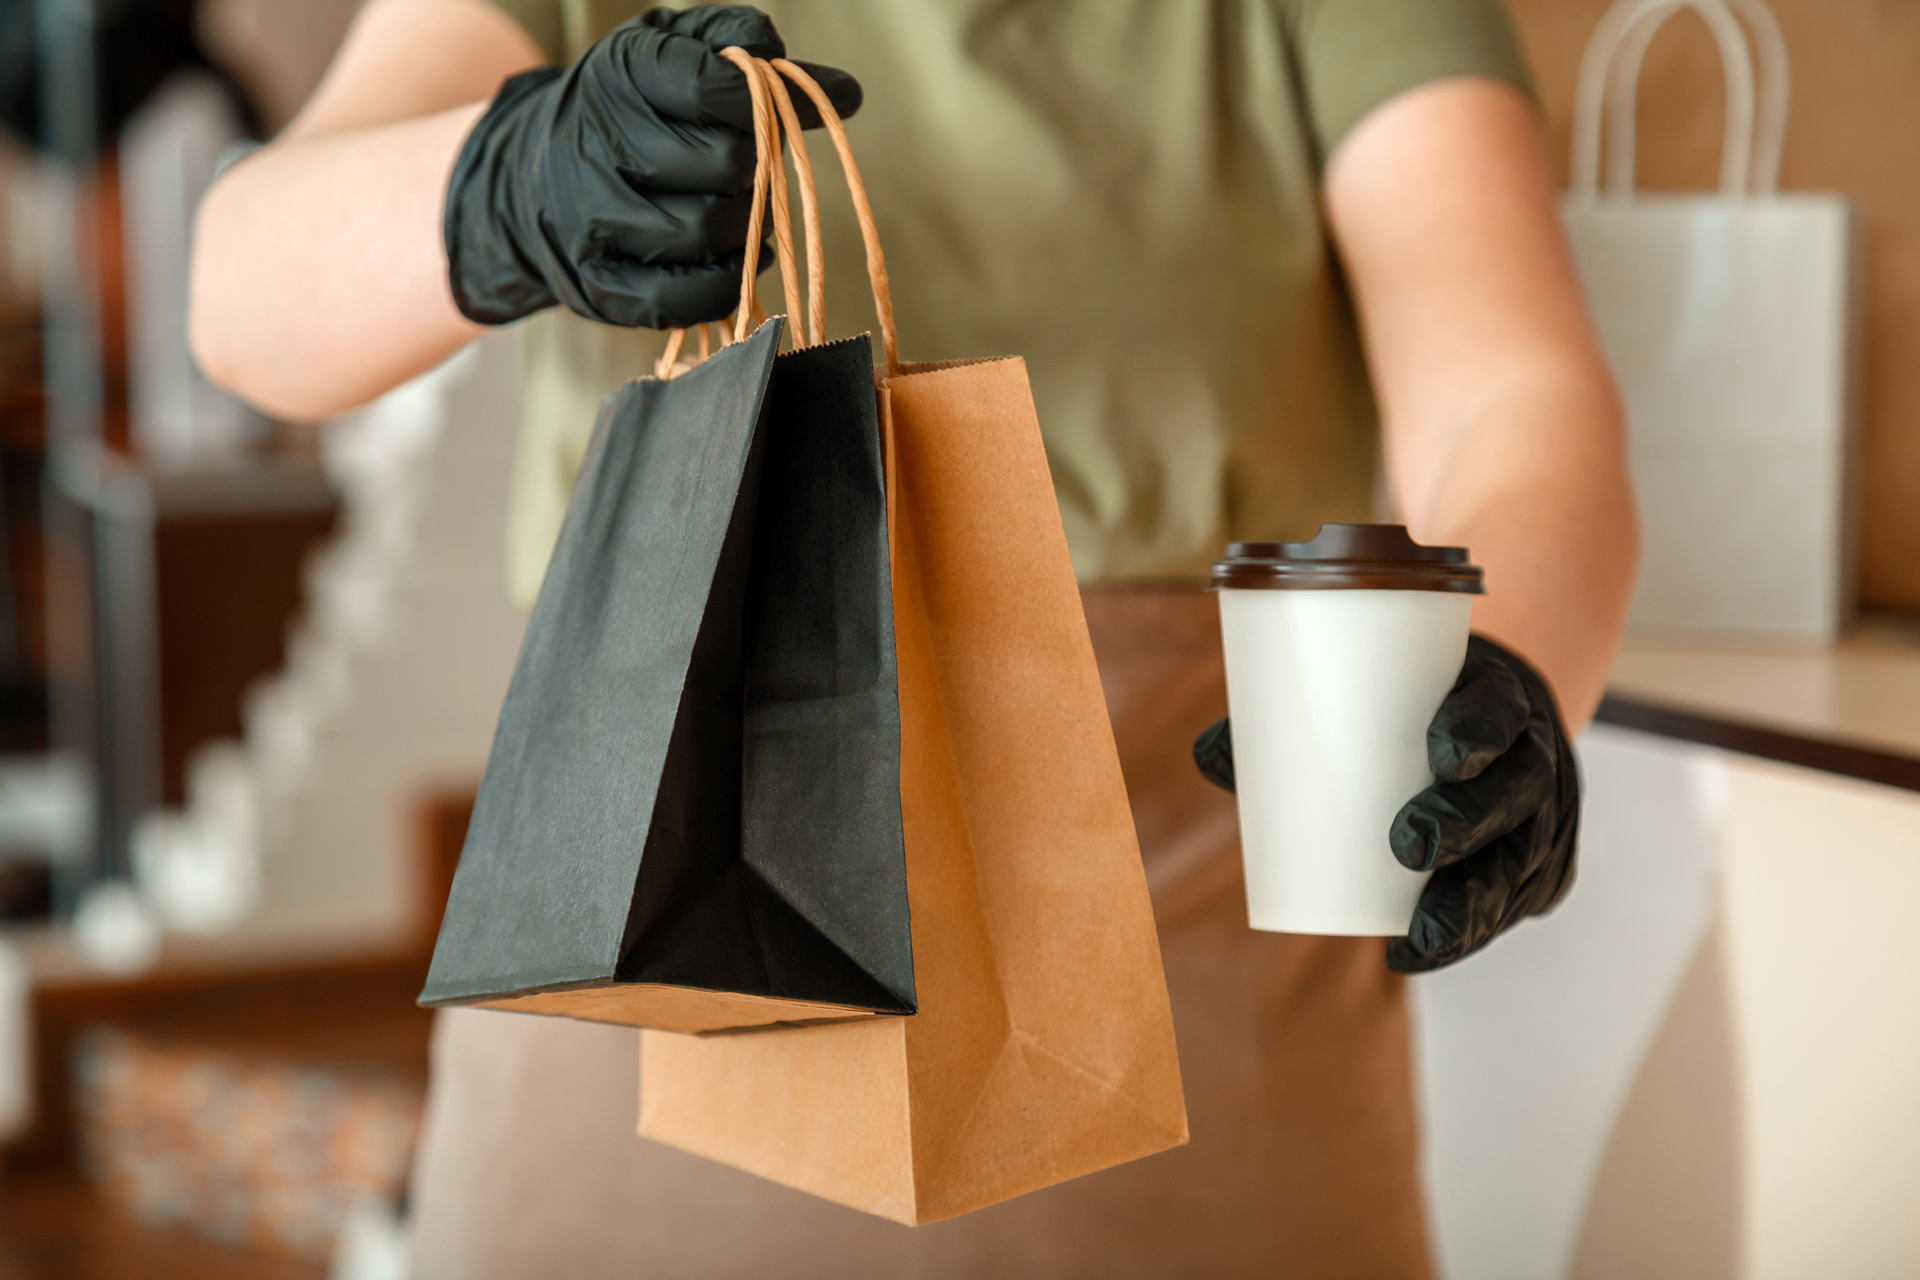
x,y
1270,265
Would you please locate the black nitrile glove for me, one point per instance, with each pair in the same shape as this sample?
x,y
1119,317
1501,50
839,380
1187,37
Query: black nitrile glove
x,y
621,185
1497,828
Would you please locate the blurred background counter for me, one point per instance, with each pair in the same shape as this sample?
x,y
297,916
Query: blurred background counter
x,y
1700,1064
1850,709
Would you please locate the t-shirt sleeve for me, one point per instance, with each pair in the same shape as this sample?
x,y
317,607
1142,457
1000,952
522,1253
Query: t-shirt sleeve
x,y
1355,54
544,22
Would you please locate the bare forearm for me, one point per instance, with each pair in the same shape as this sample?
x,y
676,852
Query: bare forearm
x,y
327,250
1543,502
319,277
1501,427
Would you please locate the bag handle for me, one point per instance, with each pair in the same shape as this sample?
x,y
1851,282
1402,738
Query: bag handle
x,y
862,211
1736,150
1610,72
773,111
769,188
1774,89
767,148
815,331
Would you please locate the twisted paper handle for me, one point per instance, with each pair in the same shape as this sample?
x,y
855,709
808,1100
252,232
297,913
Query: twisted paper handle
x,y
772,113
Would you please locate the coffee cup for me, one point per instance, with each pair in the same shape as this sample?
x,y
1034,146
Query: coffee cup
x,y
1338,652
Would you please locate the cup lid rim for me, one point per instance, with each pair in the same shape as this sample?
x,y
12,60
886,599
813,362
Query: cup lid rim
x,y
1350,557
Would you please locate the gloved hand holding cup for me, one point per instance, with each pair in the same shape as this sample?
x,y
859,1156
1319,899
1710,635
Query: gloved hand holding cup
x,y
1396,778
1339,652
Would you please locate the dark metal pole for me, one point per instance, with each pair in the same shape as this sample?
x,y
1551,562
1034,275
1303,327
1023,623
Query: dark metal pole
x,y
77,702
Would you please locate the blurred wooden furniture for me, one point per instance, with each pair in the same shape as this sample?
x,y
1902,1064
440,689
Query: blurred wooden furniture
x,y
56,1226
355,1008
229,549
351,1013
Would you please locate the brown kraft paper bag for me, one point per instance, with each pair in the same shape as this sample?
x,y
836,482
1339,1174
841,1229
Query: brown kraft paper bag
x,y
1043,1048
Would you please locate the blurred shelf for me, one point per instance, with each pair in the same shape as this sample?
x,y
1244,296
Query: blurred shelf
x,y
357,1017
54,1225
333,1001
1851,708
54,960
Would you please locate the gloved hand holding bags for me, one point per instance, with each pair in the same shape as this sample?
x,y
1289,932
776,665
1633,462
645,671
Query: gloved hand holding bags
x,y
806,738
1498,828
619,186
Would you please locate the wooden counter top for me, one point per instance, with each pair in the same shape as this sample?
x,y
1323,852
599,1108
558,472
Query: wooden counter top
x,y
1852,708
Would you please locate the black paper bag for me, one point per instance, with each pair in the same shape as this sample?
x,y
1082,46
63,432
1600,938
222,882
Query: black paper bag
x,y
690,818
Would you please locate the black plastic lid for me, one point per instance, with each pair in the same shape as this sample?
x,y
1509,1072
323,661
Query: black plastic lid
x,y
1349,557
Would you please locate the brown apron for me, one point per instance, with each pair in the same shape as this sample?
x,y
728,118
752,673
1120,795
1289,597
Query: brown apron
x,y
1294,1053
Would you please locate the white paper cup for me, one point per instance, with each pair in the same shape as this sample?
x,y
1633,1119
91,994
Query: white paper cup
x,y
1338,652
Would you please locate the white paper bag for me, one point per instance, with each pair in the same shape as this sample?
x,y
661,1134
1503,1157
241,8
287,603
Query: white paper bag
x,y
1729,322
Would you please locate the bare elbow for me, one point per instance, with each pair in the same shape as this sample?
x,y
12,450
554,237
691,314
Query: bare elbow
x,y
276,327
236,338
204,341
217,305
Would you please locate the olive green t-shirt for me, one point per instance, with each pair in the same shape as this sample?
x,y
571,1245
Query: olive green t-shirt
x,y
1124,192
